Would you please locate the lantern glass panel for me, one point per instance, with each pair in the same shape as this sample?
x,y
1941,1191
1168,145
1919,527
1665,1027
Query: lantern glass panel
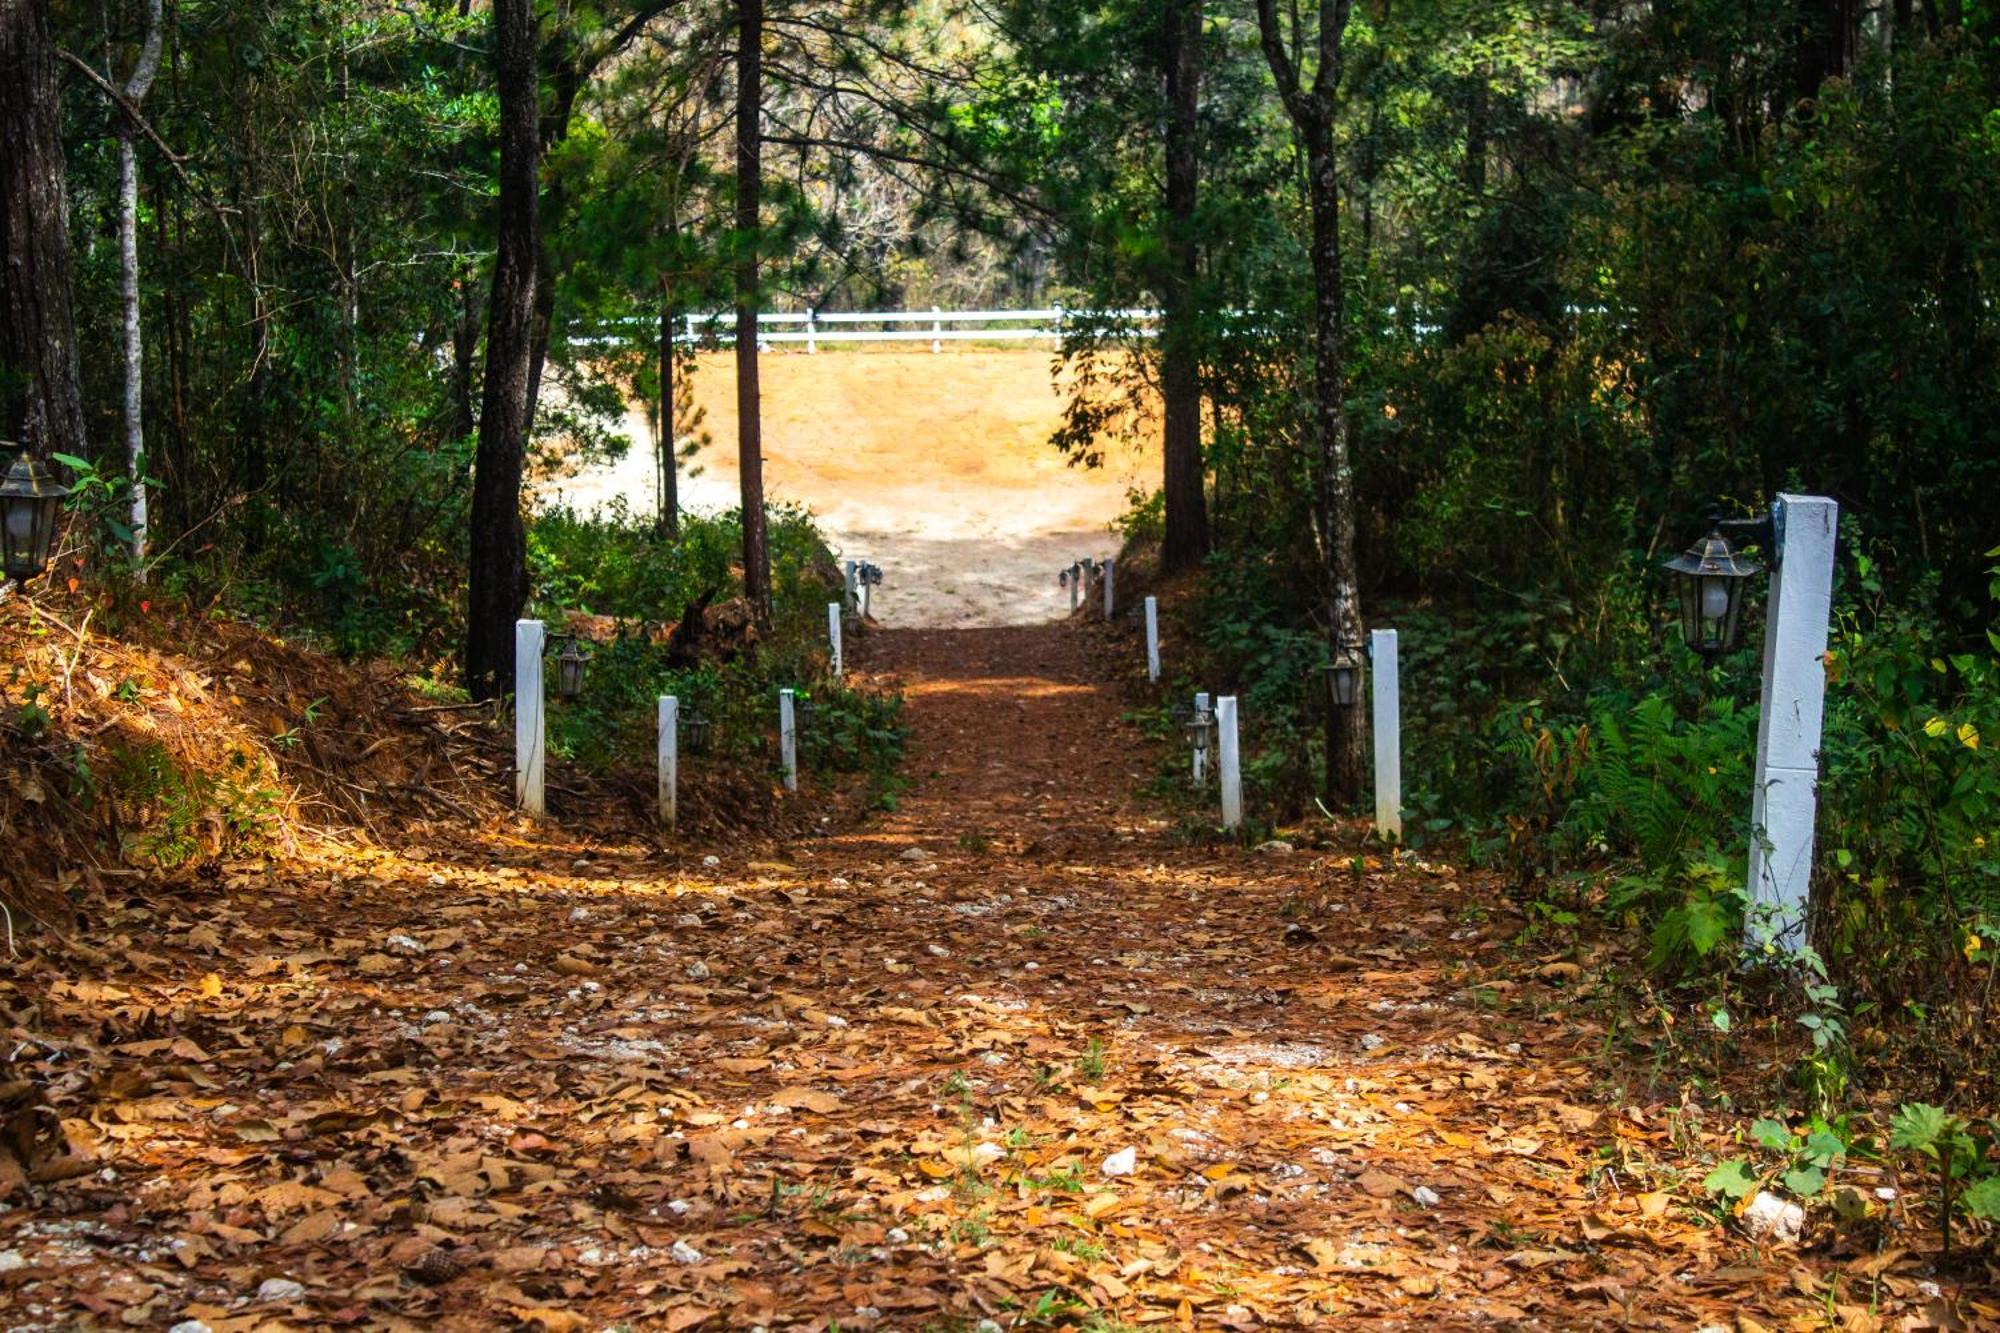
x,y
1711,575
1343,678
30,505
570,664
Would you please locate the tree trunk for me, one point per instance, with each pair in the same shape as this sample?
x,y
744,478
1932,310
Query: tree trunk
x,y
499,544
464,357
1827,38
1186,538
136,89
1312,111
668,435
749,182
1346,728
41,405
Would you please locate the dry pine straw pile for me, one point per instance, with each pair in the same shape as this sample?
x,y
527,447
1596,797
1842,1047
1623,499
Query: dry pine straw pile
x,y
253,743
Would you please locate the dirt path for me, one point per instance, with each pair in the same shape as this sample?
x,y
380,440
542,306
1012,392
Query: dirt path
x,y
883,1079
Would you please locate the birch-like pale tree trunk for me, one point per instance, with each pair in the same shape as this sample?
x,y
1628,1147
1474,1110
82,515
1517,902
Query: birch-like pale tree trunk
x,y
135,91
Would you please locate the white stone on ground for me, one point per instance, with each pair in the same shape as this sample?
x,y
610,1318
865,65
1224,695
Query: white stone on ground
x,y
1122,1163
1774,1217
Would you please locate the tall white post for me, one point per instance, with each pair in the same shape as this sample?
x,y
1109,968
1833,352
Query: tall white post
x,y
1109,599
788,740
812,334
528,749
1388,721
853,601
937,327
670,760
1201,753
1075,586
1152,638
1785,799
833,638
1226,755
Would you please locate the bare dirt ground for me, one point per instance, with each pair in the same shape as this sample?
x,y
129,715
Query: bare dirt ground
x,y
1011,1053
936,467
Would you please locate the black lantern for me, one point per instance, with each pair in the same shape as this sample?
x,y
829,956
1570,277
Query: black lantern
x,y
1343,676
1196,724
694,730
30,499
570,663
1712,574
806,710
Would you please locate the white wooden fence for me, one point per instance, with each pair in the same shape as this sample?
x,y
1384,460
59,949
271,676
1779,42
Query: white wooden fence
x,y
934,326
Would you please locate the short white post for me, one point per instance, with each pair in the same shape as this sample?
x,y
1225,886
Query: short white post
x,y
1785,799
937,329
788,740
853,602
1075,586
1152,638
1109,599
833,638
1387,692
528,749
670,760
812,334
1226,755
1201,751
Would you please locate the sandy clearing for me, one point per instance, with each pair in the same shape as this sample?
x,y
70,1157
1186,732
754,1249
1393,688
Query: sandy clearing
x,y
936,467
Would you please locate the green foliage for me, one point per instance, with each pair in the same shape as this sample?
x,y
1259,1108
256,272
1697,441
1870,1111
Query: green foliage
x,y
612,565
1959,1155
1805,1159
177,812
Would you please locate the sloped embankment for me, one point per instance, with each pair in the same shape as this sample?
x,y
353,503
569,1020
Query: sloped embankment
x,y
181,741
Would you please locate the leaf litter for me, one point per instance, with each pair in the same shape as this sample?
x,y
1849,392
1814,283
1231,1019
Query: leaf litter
x,y
1010,1053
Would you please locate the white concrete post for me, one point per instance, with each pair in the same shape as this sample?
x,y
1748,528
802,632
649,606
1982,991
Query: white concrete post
x,y
812,332
528,749
937,327
1201,754
833,638
1785,799
1388,719
1226,755
1075,586
788,740
853,602
1152,638
1109,599
670,760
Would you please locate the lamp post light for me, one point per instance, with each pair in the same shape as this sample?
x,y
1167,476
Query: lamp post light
x,y
1712,574
30,501
570,663
1198,725
1343,676
1799,533
695,732
808,712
